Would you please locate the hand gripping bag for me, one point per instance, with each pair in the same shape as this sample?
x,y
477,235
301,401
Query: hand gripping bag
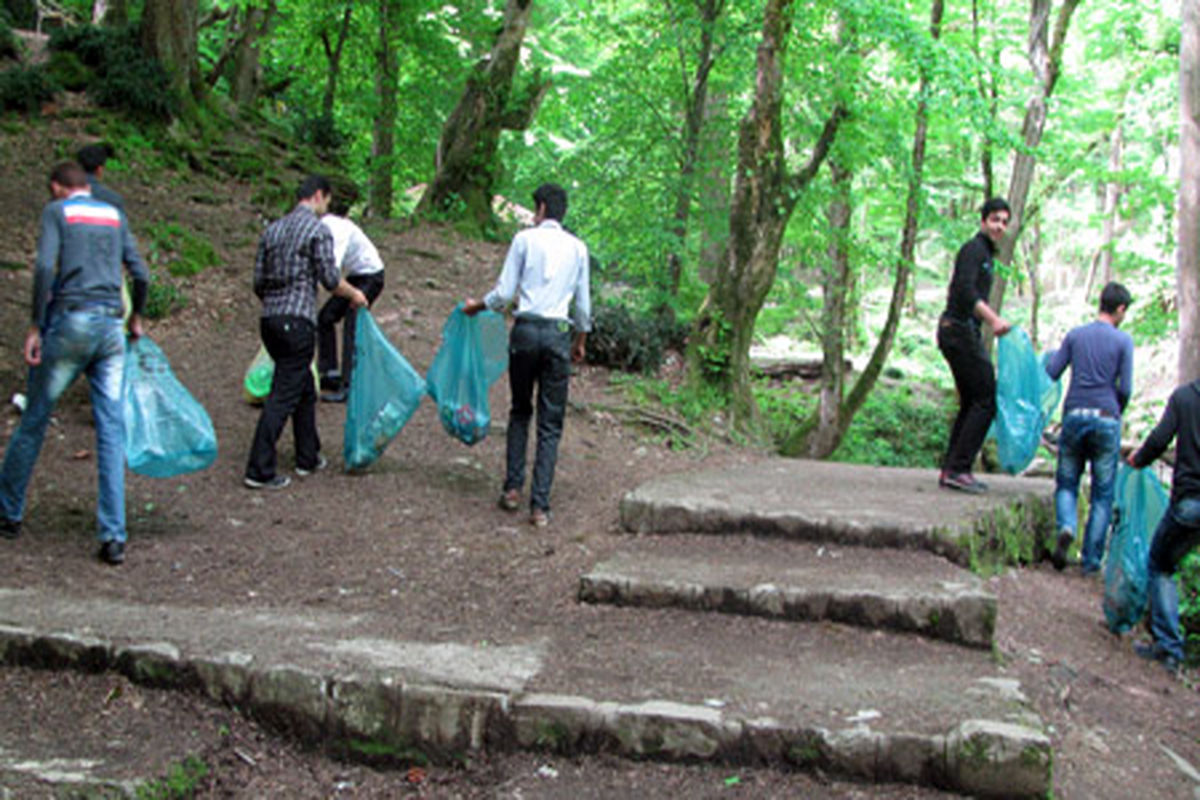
x,y
167,432
1140,504
384,392
474,353
1025,399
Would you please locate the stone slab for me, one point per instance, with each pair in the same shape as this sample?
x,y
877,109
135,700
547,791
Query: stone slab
x,y
925,596
879,707
822,501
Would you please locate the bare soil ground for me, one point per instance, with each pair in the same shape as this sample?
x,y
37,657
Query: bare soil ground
x,y
419,534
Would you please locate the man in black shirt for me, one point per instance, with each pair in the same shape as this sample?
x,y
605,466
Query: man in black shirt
x,y
1179,531
92,158
959,340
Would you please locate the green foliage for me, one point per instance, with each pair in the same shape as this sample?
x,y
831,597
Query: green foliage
x,y
26,89
635,342
181,782
123,77
163,297
183,252
1154,315
321,132
9,46
69,71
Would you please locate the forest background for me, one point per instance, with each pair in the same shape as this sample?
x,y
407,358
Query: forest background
x,y
757,180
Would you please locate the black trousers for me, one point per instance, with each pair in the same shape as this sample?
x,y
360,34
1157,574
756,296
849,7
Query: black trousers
x,y
539,354
975,380
334,311
290,343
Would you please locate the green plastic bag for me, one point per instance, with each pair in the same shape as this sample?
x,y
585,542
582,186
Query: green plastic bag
x,y
1025,399
256,385
1139,506
474,353
384,392
167,432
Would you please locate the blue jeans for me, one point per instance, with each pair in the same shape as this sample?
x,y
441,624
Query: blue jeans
x,y
1084,439
92,342
1177,534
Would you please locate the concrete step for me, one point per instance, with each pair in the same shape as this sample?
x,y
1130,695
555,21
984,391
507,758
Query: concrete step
x,y
847,504
869,588
663,684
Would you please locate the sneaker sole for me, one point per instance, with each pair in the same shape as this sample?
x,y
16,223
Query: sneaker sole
x,y
250,483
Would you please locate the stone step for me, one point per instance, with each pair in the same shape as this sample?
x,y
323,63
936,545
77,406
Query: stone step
x,y
847,504
662,684
858,586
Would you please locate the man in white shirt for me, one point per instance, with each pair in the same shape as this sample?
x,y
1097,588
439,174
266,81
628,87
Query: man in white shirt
x,y
362,268
546,269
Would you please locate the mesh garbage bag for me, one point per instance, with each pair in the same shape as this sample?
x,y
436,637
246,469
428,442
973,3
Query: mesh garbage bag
x,y
384,392
474,353
1140,504
167,432
1025,398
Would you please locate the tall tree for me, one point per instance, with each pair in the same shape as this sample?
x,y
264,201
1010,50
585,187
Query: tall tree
x,y
1187,254
695,114
490,103
333,56
822,434
383,139
168,35
1045,57
764,197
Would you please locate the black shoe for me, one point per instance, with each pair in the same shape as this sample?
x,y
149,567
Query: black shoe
x,y
321,464
278,482
9,528
1059,557
335,397
331,381
962,482
1151,652
112,553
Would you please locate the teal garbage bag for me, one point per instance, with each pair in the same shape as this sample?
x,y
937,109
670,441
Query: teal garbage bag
x,y
384,392
1139,506
474,353
1025,399
167,432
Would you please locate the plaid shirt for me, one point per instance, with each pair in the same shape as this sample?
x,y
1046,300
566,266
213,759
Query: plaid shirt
x,y
294,253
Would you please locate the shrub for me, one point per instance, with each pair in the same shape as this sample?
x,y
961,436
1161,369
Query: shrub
x,y
9,46
123,76
184,253
26,89
635,343
1189,605
69,71
163,298
321,132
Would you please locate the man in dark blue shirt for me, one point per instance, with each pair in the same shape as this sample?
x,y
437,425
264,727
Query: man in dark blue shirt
x,y
92,158
1101,361
959,340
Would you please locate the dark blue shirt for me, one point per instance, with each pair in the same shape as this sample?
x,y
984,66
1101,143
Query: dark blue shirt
x,y
1101,359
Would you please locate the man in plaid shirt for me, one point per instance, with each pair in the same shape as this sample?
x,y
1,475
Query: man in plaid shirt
x,y
294,255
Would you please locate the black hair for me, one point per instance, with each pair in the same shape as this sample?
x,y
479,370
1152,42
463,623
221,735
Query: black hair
x,y
992,206
70,175
313,184
555,199
1113,296
91,157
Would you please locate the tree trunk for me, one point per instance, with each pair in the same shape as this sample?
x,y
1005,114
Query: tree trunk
x,y
490,104
383,141
764,198
1033,261
836,283
696,103
169,36
245,76
1187,254
991,94
1046,60
333,55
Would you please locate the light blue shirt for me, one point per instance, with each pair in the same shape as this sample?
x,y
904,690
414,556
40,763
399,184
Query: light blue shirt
x,y
545,270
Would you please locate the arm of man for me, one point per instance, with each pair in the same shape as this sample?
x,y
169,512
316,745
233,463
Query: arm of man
x,y
1059,359
1125,381
506,286
1158,439
44,267
260,261
139,276
583,305
998,324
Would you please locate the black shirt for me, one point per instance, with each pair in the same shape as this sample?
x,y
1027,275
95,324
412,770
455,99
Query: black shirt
x,y
1181,421
972,278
